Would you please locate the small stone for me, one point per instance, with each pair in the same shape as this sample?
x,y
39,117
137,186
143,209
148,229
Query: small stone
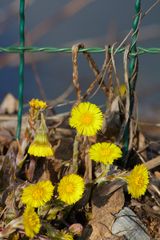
x,y
129,225
76,229
156,208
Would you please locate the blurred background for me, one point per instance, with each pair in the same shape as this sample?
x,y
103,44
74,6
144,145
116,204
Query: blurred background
x,y
96,23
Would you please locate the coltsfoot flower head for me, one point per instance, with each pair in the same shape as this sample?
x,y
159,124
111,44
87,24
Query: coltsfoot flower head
x,y
71,188
36,195
87,118
104,152
37,104
41,147
138,181
31,222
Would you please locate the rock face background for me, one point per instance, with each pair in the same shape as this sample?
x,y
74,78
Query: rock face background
x,y
96,23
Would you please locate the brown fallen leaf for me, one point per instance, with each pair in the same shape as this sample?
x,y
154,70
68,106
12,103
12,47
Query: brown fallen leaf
x,y
8,169
9,104
104,216
5,136
157,175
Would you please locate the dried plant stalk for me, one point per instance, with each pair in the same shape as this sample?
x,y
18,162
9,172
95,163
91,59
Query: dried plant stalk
x,y
88,162
96,72
76,84
110,82
100,75
74,166
127,102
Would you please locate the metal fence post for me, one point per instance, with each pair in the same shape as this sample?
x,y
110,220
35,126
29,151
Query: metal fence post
x,y
21,66
133,70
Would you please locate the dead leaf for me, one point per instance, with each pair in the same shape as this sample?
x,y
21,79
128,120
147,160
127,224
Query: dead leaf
x,y
157,175
11,227
9,104
103,217
141,141
30,169
21,152
5,136
8,170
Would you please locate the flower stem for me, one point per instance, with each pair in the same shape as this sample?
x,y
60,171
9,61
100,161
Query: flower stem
x,y
74,167
88,162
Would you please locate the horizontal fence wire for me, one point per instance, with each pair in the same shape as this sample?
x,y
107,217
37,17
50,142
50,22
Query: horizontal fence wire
x,y
17,49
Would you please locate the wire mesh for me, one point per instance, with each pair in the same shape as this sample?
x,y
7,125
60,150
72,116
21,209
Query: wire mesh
x,y
133,54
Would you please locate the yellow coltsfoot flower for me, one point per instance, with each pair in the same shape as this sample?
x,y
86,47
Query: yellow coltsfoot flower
x,y
31,222
104,152
87,118
41,147
137,181
71,188
37,104
36,195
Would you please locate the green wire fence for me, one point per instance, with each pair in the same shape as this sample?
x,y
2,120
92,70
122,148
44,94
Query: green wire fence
x,y
133,69
133,61
32,49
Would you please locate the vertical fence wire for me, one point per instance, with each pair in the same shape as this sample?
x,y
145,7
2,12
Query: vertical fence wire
x,y
133,70
21,66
